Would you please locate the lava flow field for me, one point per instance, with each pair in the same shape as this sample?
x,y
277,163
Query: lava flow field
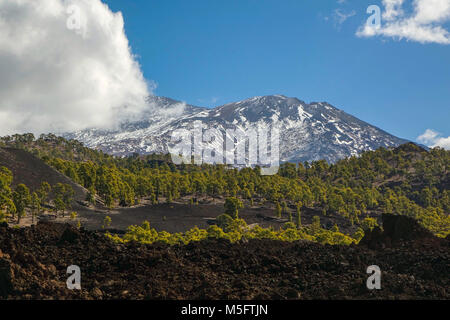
x,y
33,265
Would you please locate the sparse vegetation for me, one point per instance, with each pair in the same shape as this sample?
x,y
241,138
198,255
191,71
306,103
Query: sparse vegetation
x,y
107,222
234,230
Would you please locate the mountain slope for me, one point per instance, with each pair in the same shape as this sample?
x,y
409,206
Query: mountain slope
x,y
307,131
32,171
140,136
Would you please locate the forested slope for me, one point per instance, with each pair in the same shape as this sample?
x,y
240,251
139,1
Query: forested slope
x,y
407,180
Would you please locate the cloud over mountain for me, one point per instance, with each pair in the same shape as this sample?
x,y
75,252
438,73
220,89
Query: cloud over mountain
x,y
434,139
65,65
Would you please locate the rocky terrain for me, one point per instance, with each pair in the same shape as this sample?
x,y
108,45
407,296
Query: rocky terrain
x,y
33,263
308,131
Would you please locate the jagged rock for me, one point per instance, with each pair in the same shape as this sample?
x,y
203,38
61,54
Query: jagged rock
x,y
6,275
373,239
396,229
70,235
399,227
97,293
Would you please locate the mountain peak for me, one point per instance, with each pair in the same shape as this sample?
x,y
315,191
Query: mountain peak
x,y
277,98
308,132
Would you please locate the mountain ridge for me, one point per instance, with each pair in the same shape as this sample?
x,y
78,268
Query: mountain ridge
x,y
313,131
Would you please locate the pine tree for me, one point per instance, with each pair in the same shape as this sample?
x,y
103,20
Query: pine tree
x,y
232,206
6,203
278,210
22,199
316,223
43,193
299,215
106,222
35,206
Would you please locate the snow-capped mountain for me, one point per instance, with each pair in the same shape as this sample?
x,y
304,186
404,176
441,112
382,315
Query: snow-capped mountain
x,y
307,131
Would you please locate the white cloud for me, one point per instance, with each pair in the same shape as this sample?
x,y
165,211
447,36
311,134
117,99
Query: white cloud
x,y
393,9
432,138
424,25
340,16
56,79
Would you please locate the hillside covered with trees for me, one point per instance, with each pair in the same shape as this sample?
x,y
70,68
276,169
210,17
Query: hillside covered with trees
x,y
407,180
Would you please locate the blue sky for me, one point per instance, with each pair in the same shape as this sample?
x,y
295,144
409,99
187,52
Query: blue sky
x,y
210,52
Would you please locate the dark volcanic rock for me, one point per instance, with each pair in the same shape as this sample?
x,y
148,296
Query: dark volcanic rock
x,y
396,230
404,228
34,261
6,275
69,235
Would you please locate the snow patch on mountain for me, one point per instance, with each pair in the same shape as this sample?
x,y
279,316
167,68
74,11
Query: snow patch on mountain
x,y
307,131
